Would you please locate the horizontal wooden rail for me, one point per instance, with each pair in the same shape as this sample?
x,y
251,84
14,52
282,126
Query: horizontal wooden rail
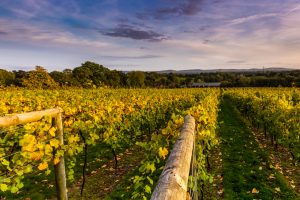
x,y
173,181
24,118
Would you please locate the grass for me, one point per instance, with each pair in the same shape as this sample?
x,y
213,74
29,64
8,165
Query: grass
x,y
246,168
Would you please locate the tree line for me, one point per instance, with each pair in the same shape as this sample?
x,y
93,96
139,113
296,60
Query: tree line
x,y
93,75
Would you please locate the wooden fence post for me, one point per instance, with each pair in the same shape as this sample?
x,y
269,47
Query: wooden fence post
x,y
173,181
59,168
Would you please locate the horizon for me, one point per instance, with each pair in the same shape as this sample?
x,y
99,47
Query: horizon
x,y
150,36
283,69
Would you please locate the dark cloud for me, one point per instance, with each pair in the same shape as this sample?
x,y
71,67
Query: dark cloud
x,y
3,33
188,8
206,41
191,7
127,22
204,28
133,32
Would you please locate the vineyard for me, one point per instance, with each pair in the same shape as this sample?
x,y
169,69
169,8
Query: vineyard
x,y
116,142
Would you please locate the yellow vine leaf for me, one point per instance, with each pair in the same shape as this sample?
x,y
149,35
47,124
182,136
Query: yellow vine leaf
x,y
52,131
162,152
40,145
43,166
179,121
3,187
28,143
54,143
73,139
5,162
48,149
55,161
68,123
36,155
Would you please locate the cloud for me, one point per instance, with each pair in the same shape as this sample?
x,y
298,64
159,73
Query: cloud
x,y
22,32
236,62
188,8
131,57
241,20
191,33
206,41
204,28
191,7
36,8
128,31
293,9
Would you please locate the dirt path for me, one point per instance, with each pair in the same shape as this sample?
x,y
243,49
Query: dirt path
x,y
103,181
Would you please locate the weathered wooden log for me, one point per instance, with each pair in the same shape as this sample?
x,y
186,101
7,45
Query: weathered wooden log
x,y
173,181
24,118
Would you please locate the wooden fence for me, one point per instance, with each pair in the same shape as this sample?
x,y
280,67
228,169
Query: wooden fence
x,y
173,181
56,114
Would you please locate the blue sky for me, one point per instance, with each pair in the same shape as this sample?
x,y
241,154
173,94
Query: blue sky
x,y
150,35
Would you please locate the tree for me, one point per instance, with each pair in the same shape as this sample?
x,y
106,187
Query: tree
x,y
6,78
152,79
64,78
243,81
115,79
136,79
38,78
173,80
58,77
189,81
18,77
92,73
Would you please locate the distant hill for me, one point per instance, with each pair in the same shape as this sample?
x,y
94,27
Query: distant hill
x,y
198,71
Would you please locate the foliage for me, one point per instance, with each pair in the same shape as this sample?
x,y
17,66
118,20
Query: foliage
x,y
136,79
90,75
38,79
203,106
117,118
120,118
6,77
276,111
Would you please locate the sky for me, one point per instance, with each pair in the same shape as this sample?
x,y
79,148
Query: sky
x,y
150,35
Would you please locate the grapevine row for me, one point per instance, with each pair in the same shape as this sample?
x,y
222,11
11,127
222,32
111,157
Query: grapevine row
x,y
275,111
118,118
